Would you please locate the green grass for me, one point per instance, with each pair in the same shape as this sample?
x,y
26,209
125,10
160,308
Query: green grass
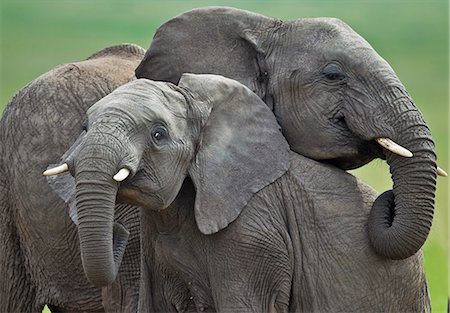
x,y
411,35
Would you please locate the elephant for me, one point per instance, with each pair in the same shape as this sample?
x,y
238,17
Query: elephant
x,y
231,219
40,256
335,98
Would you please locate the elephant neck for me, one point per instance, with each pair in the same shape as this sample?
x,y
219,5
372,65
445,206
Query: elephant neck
x,y
180,212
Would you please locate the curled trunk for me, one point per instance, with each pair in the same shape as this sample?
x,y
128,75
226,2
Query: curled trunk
x,y
401,218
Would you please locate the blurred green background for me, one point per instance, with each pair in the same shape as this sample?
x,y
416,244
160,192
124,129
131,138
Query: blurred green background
x,y
411,35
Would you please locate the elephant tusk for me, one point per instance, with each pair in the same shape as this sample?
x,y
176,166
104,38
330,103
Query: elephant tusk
x,y
441,172
393,147
56,170
121,174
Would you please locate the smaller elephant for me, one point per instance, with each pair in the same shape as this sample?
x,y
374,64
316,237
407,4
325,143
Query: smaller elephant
x,y
231,219
40,259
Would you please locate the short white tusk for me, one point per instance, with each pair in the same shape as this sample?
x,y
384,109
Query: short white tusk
x,y
121,174
56,170
441,172
393,147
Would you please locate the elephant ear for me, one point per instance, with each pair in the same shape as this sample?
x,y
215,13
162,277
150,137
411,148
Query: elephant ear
x,y
241,149
212,40
64,184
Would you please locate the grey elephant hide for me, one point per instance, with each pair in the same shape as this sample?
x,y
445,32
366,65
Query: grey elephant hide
x,y
332,94
40,257
299,243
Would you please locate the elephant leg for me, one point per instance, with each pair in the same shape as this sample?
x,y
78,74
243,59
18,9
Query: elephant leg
x,y
161,286
17,294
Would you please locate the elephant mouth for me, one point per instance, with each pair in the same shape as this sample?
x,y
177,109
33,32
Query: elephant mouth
x,y
367,151
363,151
135,191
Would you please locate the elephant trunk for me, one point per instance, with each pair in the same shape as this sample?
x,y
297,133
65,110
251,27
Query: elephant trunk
x,y
102,241
400,220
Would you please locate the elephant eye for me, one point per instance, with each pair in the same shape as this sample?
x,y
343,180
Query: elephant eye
x,y
333,72
159,133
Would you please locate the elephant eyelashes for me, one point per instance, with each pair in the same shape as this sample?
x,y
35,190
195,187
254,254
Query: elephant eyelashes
x,y
333,72
159,133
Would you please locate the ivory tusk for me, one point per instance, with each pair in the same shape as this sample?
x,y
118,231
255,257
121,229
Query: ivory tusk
x,y
441,172
56,170
121,174
393,147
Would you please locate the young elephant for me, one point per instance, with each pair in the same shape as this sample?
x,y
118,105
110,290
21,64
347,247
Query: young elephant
x,y
39,255
231,220
333,95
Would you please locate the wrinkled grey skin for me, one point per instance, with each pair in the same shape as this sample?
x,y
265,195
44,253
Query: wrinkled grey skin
x,y
39,254
231,220
331,93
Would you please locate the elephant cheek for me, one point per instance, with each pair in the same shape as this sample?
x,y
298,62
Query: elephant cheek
x,y
135,196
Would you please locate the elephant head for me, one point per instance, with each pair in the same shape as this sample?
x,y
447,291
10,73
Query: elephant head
x,y
146,137
335,98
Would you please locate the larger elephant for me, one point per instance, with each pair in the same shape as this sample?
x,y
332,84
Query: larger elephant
x,y
39,255
231,220
332,94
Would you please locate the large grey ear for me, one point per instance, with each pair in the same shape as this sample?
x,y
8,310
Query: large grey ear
x,y
212,40
241,149
64,184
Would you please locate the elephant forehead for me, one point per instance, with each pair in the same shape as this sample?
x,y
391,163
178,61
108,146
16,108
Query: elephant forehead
x,y
325,30
315,41
144,100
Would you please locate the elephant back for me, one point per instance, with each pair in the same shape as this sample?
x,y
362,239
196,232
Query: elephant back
x,y
126,50
327,210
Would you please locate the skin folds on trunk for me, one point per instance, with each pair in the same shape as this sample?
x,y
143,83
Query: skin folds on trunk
x,y
102,242
401,219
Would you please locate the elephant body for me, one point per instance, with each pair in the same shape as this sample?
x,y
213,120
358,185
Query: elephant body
x,y
40,256
332,94
299,245
281,63
231,219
